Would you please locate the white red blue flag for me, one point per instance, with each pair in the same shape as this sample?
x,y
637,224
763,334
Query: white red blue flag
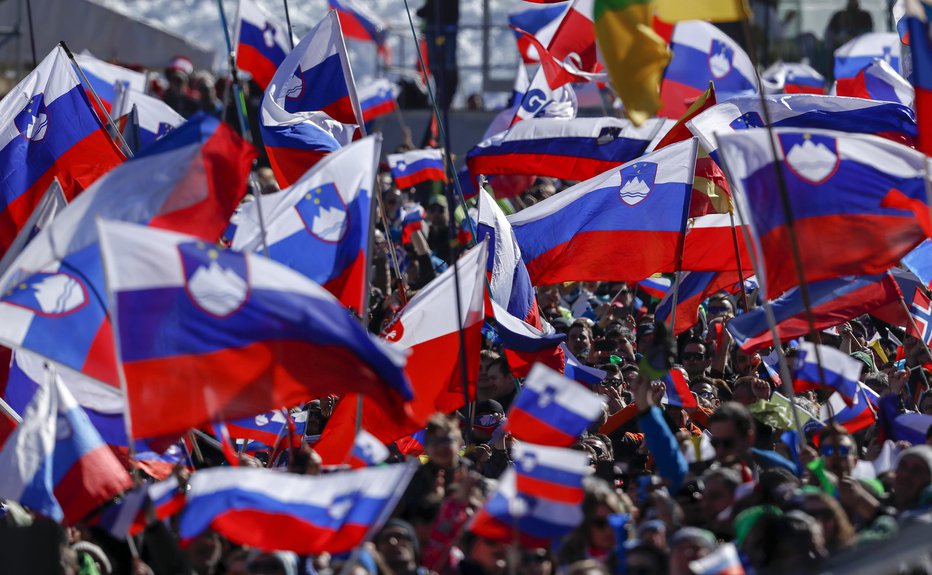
x,y
856,416
412,168
261,42
710,244
541,21
918,19
537,100
48,131
574,39
367,450
878,81
55,462
837,184
525,345
541,497
359,22
578,371
855,115
551,409
724,560
54,302
509,283
377,98
282,511
154,117
268,428
701,54
310,108
792,78
694,288
320,225
676,389
857,54
656,286
576,149
837,371
52,203
107,79
573,235
833,302
238,333
429,328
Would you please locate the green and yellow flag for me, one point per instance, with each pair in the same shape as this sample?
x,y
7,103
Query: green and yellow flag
x,y
710,10
633,53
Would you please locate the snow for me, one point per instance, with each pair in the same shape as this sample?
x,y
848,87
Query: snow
x,y
200,21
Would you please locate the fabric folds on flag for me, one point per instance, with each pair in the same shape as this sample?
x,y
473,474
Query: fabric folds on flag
x,y
858,53
573,236
525,345
918,21
701,54
429,328
837,184
509,283
55,462
261,42
310,108
281,511
878,81
576,149
551,409
49,132
54,302
541,496
837,371
207,335
634,55
710,10
320,226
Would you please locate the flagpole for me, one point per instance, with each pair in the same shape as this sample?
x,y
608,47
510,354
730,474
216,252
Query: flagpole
x,y
391,246
288,23
757,262
32,34
119,136
681,242
240,103
734,239
912,323
784,198
464,375
10,412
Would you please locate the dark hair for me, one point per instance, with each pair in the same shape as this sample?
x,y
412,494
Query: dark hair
x,y
735,413
833,430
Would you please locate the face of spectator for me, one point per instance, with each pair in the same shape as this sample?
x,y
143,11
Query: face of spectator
x,y
683,553
438,216
494,383
912,476
204,552
631,377
265,564
489,555
536,562
706,393
395,544
826,518
716,498
601,535
443,448
840,454
579,340
729,444
695,360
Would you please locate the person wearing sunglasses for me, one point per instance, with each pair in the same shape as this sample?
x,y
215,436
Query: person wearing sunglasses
x,y
733,436
695,358
594,538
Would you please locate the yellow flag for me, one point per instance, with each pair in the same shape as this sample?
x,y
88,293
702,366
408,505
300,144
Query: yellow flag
x,y
711,10
633,53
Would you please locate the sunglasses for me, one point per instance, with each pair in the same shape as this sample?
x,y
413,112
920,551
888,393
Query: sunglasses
x,y
694,356
723,442
830,450
717,309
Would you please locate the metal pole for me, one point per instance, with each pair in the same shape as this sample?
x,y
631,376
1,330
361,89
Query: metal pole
x,y
32,34
119,136
288,23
